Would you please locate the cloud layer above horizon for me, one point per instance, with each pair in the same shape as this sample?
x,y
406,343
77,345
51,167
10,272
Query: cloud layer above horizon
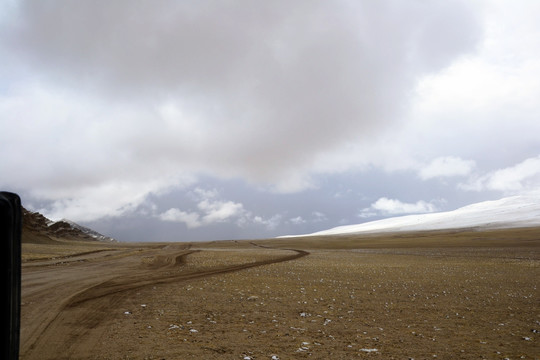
x,y
109,108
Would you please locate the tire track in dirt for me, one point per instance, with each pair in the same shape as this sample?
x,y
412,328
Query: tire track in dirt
x,y
48,285
133,282
76,328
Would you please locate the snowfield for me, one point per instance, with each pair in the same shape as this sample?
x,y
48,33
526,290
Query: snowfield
x,y
509,212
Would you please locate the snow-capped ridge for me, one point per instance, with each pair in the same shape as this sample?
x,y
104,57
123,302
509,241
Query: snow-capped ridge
x,y
88,231
509,212
37,223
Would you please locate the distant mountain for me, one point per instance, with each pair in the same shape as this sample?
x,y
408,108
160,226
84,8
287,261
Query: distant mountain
x,y
92,233
38,229
509,212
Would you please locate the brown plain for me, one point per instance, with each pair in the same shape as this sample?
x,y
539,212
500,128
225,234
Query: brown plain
x,y
428,295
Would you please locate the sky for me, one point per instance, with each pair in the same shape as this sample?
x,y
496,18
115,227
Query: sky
x,y
208,120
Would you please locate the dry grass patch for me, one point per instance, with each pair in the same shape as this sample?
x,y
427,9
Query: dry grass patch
x,y
343,304
467,295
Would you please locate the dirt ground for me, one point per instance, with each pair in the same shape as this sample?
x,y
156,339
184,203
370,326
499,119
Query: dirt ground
x,y
465,295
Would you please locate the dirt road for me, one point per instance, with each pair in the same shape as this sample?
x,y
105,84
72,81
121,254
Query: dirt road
x,y
466,295
67,303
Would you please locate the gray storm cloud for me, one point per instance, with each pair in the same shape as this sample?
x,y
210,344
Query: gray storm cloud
x,y
256,88
107,102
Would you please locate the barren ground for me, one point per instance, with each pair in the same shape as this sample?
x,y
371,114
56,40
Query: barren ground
x,y
467,295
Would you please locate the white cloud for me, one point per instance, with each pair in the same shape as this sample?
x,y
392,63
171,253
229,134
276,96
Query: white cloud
x,y
200,193
446,166
270,223
211,210
522,177
318,216
485,101
385,206
219,211
191,219
255,90
297,220
270,93
108,199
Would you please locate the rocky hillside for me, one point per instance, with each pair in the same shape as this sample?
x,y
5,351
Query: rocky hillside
x,y
38,229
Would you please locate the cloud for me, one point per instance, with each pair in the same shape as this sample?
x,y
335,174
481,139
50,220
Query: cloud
x,y
313,218
191,219
219,211
251,90
390,207
211,210
318,216
484,101
270,223
446,166
297,220
111,199
522,177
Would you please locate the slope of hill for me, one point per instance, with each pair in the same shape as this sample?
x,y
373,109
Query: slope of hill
x,y
92,233
510,212
36,228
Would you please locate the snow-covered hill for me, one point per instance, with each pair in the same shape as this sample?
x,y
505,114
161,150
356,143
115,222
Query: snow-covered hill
x,y
92,233
37,227
510,212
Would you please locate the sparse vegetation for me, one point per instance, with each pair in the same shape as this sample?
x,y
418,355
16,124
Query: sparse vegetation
x,y
425,295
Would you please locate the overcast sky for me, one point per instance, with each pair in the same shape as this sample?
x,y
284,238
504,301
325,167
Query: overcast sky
x,y
202,120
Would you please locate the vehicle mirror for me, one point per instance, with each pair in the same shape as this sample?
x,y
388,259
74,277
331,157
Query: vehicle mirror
x,y
10,236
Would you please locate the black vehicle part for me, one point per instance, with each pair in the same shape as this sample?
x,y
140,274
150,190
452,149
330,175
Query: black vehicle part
x,y
10,237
